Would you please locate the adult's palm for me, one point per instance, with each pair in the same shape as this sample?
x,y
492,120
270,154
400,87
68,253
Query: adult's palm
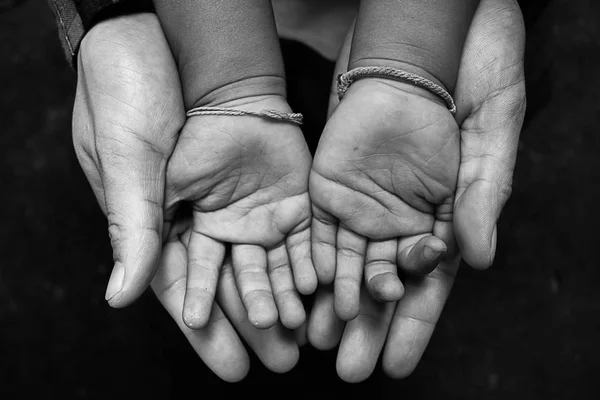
x,y
490,95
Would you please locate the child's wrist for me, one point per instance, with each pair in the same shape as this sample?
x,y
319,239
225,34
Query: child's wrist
x,y
403,86
245,91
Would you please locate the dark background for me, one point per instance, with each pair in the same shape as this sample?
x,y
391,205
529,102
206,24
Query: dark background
x,y
526,329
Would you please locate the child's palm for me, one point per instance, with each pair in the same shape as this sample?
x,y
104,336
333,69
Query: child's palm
x,y
386,169
246,179
384,165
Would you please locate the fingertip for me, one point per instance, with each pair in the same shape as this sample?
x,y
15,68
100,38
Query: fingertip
x,y
346,311
263,317
234,371
324,328
385,287
480,257
293,318
397,370
115,285
320,338
284,360
128,294
194,318
435,244
306,284
351,371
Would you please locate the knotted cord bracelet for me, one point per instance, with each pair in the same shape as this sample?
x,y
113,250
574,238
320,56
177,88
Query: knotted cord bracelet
x,y
345,80
294,118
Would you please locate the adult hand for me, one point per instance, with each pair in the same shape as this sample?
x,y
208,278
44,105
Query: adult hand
x,y
127,116
218,343
490,96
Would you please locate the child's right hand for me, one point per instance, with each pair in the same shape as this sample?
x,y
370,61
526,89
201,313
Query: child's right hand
x,y
247,180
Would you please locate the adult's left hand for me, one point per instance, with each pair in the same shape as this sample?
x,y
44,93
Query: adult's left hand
x,y
490,96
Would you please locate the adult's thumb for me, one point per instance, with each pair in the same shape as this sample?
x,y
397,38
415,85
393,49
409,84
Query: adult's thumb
x,y
476,213
134,204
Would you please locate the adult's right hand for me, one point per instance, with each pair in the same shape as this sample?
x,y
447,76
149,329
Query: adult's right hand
x,y
126,122
127,116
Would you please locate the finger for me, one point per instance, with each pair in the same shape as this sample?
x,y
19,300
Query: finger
x,y
363,339
299,250
324,327
415,318
134,186
323,242
300,334
218,345
491,117
205,257
275,347
381,273
420,254
289,305
250,268
351,249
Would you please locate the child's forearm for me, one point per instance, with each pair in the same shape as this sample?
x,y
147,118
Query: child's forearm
x,y
225,50
424,37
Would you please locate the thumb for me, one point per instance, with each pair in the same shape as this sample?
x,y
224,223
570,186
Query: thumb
x,y
131,88
476,212
489,144
133,177
490,92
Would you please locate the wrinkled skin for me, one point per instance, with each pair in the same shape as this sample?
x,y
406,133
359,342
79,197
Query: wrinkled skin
x,y
490,95
127,117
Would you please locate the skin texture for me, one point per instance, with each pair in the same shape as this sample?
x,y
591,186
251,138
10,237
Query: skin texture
x,y
127,116
117,147
385,172
246,178
126,119
490,94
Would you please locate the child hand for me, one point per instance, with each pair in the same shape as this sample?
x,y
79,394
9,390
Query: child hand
x,y
246,180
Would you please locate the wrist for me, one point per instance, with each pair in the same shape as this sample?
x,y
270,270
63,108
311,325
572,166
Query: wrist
x,y
245,91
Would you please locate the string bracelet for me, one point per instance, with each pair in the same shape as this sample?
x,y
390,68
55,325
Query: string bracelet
x,y
346,79
294,118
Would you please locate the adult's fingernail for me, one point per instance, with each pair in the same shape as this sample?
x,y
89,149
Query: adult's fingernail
x,y
431,254
115,283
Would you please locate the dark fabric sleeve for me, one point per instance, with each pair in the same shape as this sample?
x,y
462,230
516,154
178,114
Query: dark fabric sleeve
x,y
75,18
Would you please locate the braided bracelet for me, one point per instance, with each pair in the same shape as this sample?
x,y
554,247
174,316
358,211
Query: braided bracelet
x,y
294,118
345,80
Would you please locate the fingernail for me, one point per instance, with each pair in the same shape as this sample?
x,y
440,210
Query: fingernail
x,y
431,254
115,283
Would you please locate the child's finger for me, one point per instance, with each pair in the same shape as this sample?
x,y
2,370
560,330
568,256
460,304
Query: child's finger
x,y
381,273
250,268
217,344
323,242
420,254
275,347
415,318
205,257
324,327
363,339
289,305
298,248
351,248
